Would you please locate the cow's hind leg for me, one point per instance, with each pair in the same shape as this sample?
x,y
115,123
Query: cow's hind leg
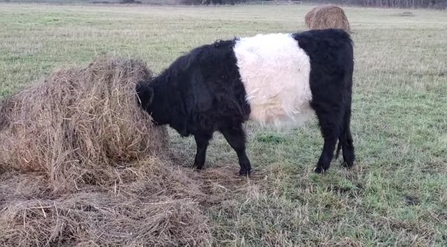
x,y
235,136
346,141
348,149
330,125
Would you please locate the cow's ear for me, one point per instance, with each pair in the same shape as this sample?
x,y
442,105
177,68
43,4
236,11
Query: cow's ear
x,y
145,94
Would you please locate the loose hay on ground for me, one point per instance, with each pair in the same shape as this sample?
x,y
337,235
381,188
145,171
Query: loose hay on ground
x,y
160,209
327,16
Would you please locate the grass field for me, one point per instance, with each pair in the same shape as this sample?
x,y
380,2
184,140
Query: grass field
x,y
397,193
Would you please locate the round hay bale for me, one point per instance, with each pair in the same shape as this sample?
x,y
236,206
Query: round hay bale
x,y
310,15
327,16
79,125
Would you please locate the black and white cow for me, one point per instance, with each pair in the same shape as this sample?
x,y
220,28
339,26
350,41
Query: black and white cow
x,y
271,78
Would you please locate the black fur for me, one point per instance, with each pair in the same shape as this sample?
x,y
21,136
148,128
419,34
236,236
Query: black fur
x,y
332,64
201,92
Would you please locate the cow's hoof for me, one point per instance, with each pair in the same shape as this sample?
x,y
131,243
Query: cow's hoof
x,y
319,170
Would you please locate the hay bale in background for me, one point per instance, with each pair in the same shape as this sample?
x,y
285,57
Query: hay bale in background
x,y
310,15
78,125
327,16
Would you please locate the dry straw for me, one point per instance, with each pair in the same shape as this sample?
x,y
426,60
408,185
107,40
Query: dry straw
x,y
77,125
82,165
327,16
160,208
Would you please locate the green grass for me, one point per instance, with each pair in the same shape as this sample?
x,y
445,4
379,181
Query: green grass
x,y
397,193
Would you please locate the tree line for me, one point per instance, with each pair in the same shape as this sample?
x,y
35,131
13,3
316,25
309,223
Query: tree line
x,y
436,4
